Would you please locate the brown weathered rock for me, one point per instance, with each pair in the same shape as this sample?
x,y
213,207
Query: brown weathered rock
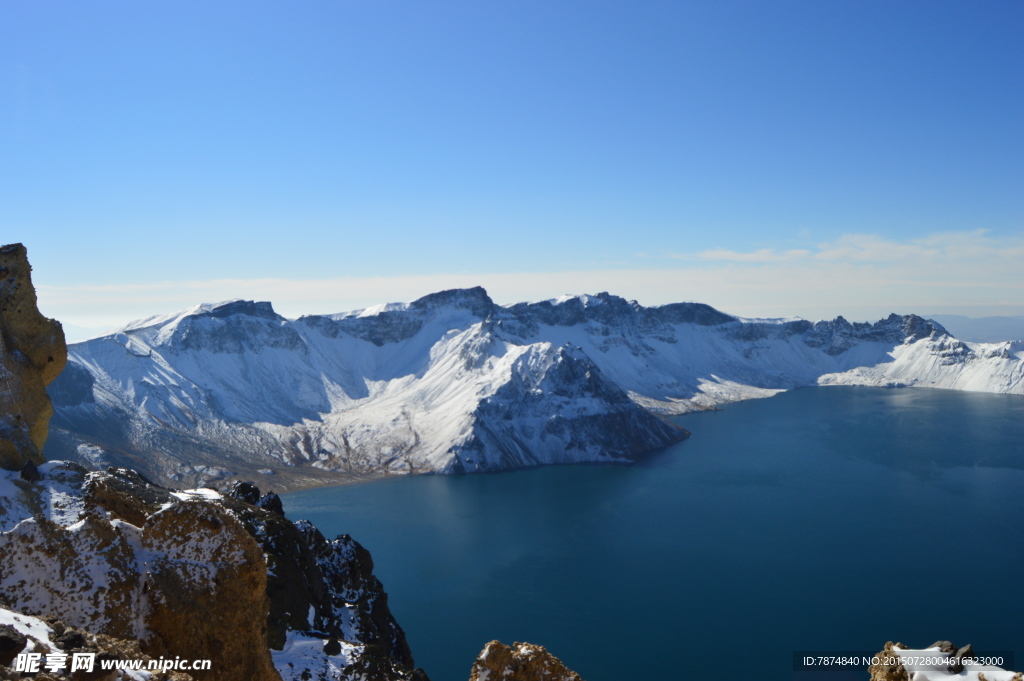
x,y
888,669
202,594
107,494
207,592
72,640
32,353
86,577
209,576
521,662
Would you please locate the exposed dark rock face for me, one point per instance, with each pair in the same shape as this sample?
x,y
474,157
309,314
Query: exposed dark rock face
x,y
347,571
473,299
245,491
233,333
324,589
516,427
838,336
29,472
32,354
520,662
249,308
271,502
12,642
691,313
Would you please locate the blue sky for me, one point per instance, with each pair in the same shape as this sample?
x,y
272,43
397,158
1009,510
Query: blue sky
x,y
769,158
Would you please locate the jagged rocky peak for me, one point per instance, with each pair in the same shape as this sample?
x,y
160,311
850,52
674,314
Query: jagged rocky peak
x,y
896,328
839,335
519,662
32,354
919,327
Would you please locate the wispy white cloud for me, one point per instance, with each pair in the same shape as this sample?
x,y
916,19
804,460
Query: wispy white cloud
x,y
762,255
860,276
872,248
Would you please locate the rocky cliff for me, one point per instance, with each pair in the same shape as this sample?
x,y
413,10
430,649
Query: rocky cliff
x,y
32,354
197,574
519,662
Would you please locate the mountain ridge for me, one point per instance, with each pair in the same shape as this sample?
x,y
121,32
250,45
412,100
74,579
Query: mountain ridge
x,y
453,382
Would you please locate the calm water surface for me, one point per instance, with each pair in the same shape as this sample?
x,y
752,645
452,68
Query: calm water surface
x,y
820,519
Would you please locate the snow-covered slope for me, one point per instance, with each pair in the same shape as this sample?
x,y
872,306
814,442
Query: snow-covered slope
x,y
452,382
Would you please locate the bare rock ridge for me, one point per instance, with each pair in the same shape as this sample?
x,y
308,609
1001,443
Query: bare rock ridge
x,y
519,662
197,574
32,354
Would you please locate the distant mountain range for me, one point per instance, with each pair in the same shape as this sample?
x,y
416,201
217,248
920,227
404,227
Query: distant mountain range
x,y
454,383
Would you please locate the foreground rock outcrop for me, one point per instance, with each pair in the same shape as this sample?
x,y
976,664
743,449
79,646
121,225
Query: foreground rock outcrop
x,y
32,354
941,660
520,662
197,574
25,634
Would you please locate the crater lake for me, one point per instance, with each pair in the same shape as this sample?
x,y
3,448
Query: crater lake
x,y
829,519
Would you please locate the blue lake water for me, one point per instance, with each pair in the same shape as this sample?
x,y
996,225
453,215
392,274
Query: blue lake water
x,y
820,519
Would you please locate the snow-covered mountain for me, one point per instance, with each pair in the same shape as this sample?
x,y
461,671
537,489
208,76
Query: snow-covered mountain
x,y
455,383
